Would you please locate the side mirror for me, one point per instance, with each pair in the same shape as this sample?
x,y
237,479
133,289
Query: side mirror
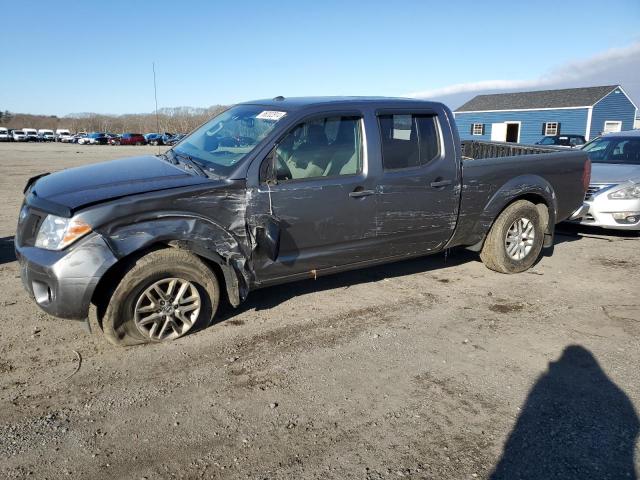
x,y
267,234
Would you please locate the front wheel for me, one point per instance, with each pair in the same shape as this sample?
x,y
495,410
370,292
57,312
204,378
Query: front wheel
x,y
515,240
163,296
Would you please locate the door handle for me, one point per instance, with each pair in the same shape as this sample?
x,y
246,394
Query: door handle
x,y
361,193
441,183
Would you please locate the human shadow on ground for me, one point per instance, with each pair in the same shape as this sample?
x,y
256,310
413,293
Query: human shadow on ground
x,y
575,424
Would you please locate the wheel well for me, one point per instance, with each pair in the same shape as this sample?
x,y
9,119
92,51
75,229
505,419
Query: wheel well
x,y
542,207
112,277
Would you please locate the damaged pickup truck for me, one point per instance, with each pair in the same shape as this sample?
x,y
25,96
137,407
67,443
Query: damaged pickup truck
x,y
274,191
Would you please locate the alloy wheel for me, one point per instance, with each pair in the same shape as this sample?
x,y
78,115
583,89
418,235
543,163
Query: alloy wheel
x,y
167,309
520,237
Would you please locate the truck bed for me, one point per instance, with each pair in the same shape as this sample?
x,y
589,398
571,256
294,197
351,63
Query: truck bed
x,y
483,149
499,172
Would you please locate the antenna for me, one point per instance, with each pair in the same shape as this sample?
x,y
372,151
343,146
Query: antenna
x,y
155,94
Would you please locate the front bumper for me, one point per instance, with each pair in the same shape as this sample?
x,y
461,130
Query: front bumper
x,y
603,212
62,283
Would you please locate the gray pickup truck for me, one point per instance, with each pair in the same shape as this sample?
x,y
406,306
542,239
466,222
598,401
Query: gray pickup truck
x,y
274,191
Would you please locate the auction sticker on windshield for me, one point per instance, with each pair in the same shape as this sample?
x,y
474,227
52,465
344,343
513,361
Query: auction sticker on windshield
x,y
270,115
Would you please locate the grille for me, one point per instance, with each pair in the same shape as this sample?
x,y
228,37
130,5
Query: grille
x,y
595,188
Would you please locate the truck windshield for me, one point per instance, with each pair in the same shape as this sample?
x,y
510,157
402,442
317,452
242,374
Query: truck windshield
x,y
229,137
614,150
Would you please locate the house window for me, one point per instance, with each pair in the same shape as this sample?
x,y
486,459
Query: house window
x,y
477,129
611,126
551,128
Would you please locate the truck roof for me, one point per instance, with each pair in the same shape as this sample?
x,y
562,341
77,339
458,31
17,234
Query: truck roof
x,y
299,103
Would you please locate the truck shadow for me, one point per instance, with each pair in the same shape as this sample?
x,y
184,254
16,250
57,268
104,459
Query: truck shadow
x,y
269,297
575,424
7,252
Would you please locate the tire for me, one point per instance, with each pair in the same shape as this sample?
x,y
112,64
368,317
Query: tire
x,y
138,144
120,320
520,251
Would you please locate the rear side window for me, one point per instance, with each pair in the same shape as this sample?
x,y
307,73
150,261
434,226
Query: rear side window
x,y
408,140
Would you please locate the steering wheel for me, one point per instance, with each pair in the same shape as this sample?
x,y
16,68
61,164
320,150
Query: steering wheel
x,y
282,169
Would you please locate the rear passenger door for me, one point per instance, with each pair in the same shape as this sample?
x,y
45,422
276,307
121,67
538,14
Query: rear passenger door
x,y
418,190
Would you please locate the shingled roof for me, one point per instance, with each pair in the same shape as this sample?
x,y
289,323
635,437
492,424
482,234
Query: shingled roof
x,y
568,97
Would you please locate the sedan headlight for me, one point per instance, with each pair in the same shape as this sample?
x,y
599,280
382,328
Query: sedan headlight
x,y
57,233
629,192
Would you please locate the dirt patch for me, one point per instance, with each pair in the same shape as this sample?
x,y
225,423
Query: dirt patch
x,y
5,366
507,307
616,262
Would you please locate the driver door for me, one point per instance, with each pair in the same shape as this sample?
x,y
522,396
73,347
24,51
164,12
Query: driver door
x,y
315,183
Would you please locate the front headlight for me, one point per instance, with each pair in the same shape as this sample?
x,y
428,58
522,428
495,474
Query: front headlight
x,y
627,193
58,232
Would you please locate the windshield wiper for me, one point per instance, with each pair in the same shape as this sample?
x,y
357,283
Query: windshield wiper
x,y
191,163
168,158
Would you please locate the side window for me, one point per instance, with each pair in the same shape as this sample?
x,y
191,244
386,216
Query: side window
x,y
428,135
408,140
322,147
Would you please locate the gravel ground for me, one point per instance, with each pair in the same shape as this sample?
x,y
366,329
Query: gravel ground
x,y
432,368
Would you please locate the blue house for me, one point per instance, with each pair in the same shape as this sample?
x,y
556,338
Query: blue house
x,y
526,117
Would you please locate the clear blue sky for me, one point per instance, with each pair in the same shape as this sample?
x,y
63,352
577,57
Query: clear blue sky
x,y
77,56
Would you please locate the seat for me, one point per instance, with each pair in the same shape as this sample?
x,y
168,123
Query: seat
x,y
631,151
344,157
312,157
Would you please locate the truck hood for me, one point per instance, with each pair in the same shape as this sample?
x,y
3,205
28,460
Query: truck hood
x,y
614,172
78,187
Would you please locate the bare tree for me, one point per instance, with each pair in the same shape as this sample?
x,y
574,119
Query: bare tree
x,y
173,120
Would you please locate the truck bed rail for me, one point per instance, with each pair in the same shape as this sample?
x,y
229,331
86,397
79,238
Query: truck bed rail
x,y
482,149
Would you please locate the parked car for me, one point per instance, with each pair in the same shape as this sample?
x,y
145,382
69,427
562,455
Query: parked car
x,y
45,135
173,139
76,138
31,134
4,135
154,138
19,136
130,139
94,138
63,135
570,141
614,192
152,240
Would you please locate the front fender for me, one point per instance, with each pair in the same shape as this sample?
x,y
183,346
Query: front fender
x,y
196,234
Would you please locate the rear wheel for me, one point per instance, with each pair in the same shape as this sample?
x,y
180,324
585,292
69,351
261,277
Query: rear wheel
x,y
515,240
163,296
